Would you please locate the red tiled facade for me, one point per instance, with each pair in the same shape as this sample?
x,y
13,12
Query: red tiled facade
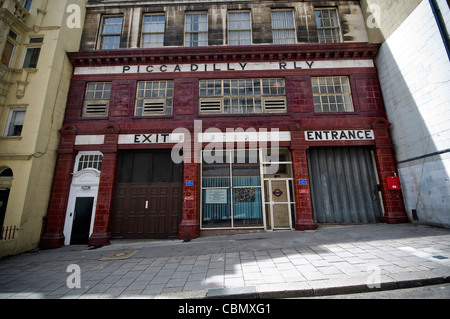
x,y
369,114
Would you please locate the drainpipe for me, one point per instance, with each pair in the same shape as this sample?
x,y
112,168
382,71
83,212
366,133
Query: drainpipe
x,y
441,25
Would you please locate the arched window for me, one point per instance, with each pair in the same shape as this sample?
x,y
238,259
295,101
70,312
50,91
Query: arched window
x,y
89,160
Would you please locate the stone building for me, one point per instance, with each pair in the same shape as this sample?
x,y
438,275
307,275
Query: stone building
x,y
194,118
414,69
35,75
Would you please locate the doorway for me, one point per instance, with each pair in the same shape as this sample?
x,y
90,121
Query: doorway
x,y
279,201
344,185
148,196
82,215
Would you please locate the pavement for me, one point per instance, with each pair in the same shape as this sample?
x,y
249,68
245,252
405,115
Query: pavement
x,y
331,260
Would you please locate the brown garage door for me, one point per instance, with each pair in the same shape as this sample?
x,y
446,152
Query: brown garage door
x,y
147,202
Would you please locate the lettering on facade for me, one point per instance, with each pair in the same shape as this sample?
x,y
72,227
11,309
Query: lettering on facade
x,y
350,135
225,67
151,138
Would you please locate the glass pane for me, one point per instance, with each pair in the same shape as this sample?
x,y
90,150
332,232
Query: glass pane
x,y
216,208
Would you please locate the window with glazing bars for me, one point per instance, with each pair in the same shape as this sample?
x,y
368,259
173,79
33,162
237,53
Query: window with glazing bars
x,y
332,94
196,30
283,27
153,31
154,98
328,25
243,96
97,99
239,28
90,161
111,33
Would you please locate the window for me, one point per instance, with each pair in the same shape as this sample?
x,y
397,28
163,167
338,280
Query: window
x,y
8,53
97,99
332,94
239,28
328,26
91,160
26,4
111,33
231,189
154,98
153,31
244,96
196,30
32,54
283,28
15,122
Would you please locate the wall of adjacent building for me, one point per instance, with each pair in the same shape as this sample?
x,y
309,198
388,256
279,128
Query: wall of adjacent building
x,y
32,156
414,71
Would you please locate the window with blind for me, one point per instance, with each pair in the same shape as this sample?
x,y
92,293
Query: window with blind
x,y
239,28
283,27
231,189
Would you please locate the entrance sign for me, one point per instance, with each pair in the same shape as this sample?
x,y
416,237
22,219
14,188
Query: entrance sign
x,y
350,135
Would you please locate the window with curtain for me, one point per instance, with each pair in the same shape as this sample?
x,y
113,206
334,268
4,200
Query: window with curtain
x,y
283,27
239,28
196,30
231,189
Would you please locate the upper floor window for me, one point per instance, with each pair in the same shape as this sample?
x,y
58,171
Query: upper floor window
x,y
33,52
27,4
283,27
89,160
15,122
245,96
154,98
239,28
10,46
196,30
153,31
328,27
332,94
97,99
111,33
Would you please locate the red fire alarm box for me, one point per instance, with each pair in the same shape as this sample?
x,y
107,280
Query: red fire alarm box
x,y
393,183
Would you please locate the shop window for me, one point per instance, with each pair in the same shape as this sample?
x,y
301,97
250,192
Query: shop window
x,y
196,30
328,28
154,98
97,98
153,31
111,33
239,28
332,94
32,54
15,123
283,27
231,189
246,96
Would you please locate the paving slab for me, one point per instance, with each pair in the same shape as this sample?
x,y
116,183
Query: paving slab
x,y
284,264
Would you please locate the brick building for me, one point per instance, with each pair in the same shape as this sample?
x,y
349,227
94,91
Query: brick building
x,y
189,119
